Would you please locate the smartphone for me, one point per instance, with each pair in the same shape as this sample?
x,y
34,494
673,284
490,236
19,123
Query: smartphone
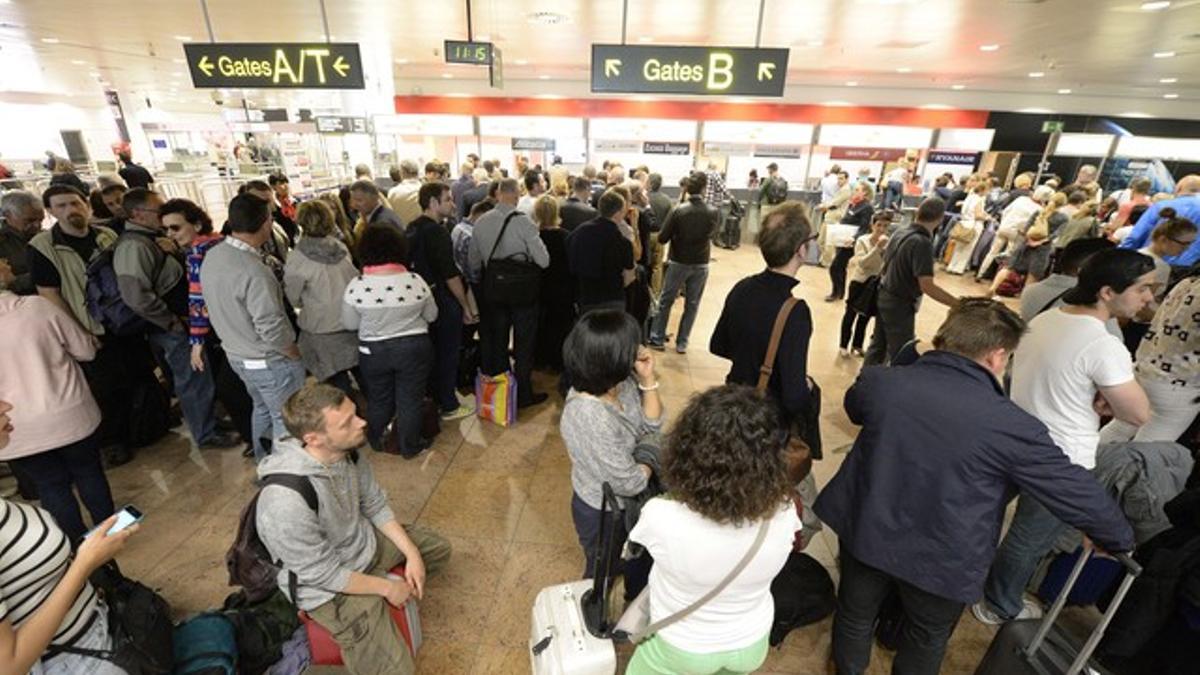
x,y
127,516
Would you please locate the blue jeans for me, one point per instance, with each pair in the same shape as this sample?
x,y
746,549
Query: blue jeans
x,y
691,279
395,374
1030,537
447,334
55,472
587,529
270,382
195,389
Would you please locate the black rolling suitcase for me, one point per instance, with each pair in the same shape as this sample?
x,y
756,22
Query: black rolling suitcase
x,y
1041,647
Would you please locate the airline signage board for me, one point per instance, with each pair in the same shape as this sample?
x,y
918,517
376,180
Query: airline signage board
x,y
284,65
664,69
338,124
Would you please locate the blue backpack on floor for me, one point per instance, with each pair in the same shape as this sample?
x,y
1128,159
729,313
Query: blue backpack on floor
x,y
206,644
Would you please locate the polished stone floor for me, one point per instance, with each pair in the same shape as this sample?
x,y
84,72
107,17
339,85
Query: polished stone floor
x,y
502,497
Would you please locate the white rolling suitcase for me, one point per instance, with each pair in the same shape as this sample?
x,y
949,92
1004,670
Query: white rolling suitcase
x,y
570,630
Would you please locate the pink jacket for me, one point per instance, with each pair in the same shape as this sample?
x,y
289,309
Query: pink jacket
x,y
39,376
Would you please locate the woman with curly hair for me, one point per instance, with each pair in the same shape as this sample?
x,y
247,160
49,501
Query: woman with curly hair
x,y
725,468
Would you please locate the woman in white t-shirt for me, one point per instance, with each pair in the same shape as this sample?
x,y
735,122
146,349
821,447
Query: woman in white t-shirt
x,y
724,463
974,218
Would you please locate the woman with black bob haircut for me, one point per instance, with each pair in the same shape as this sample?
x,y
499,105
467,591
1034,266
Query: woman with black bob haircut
x,y
612,405
726,474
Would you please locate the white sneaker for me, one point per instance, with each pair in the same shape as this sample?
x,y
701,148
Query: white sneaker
x,y
460,413
985,614
843,352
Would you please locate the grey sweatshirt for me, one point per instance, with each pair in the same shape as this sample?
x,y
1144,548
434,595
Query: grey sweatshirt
x,y
600,439
521,240
146,274
322,547
386,306
314,279
245,303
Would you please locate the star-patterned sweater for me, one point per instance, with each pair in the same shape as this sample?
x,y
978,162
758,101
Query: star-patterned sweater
x,y
388,301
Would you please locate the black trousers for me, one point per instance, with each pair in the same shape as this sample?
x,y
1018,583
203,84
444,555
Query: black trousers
x,y
854,325
498,322
58,473
895,326
837,271
930,620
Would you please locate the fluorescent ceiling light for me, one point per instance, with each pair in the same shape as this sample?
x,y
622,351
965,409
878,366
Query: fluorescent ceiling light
x,y
183,38
522,62
1168,80
958,87
1064,91
1037,73
447,76
815,43
989,48
937,106
851,83
645,38
1155,6
904,69
837,104
179,60
401,61
1164,55
543,77
77,62
50,41
1171,96
1036,111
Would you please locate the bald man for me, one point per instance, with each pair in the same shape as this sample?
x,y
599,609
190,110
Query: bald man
x,y
1186,204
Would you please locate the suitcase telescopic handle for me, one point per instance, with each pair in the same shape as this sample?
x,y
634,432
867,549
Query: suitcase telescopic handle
x,y
1132,568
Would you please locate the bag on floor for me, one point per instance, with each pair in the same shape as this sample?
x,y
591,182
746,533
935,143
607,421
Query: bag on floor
x,y
261,629
139,621
570,630
1012,285
1100,575
206,644
325,651
496,398
803,593
296,655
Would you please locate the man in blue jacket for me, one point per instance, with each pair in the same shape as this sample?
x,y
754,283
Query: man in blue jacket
x,y
1186,204
919,501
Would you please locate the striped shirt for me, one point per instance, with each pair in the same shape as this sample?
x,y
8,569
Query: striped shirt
x,y
34,556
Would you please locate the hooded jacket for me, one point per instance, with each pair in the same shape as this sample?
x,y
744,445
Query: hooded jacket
x,y
921,496
325,546
314,279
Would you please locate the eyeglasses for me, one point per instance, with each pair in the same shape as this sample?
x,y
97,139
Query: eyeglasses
x,y
1187,242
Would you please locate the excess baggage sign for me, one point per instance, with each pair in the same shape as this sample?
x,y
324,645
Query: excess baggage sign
x,y
261,65
659,69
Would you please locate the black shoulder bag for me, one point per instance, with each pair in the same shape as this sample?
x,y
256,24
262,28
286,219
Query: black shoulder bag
x,y
510,281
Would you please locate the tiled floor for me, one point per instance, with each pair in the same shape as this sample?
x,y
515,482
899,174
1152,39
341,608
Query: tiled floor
x,y
502,497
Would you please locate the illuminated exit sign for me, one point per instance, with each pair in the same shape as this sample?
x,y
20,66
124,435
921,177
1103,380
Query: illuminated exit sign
x,y
255,65
655,69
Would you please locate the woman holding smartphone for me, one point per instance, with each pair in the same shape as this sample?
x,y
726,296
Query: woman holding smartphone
x,y
60,607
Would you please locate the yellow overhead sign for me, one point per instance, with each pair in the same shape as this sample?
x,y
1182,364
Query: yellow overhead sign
x,y
275,66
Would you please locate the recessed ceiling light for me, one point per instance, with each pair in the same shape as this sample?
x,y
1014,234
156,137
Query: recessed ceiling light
x,y
1155,6
1170,95
989,48
1064,91
852,83
645,38
50,41
543,77
447,76
183,38
547,18
958,87
77,62
1037,73
1168,80
904,69
1163,55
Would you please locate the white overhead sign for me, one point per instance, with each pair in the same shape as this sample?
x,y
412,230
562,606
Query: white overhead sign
x,y
1083,145
874,136
425,125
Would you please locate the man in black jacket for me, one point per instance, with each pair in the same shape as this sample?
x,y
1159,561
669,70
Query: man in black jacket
x,y
21,216
576,210
689,230
919,501
599,255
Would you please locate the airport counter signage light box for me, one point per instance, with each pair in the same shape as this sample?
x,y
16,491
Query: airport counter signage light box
x,y
655,69
258,65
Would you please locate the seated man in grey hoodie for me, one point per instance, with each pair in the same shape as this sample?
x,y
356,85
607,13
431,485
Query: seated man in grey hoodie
x,y
341,552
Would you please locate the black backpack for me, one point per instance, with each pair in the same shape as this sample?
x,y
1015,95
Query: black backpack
x,y
103,295
777,190
803,593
